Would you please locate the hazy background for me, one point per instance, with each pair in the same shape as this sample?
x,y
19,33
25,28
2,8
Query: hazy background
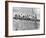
x,y
26,11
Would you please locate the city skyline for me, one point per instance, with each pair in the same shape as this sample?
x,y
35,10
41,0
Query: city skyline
x,y
22,11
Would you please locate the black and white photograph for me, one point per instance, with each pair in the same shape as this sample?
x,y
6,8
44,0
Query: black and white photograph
x,y
24,18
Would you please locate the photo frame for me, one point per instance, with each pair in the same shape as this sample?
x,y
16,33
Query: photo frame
x,y
24,18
